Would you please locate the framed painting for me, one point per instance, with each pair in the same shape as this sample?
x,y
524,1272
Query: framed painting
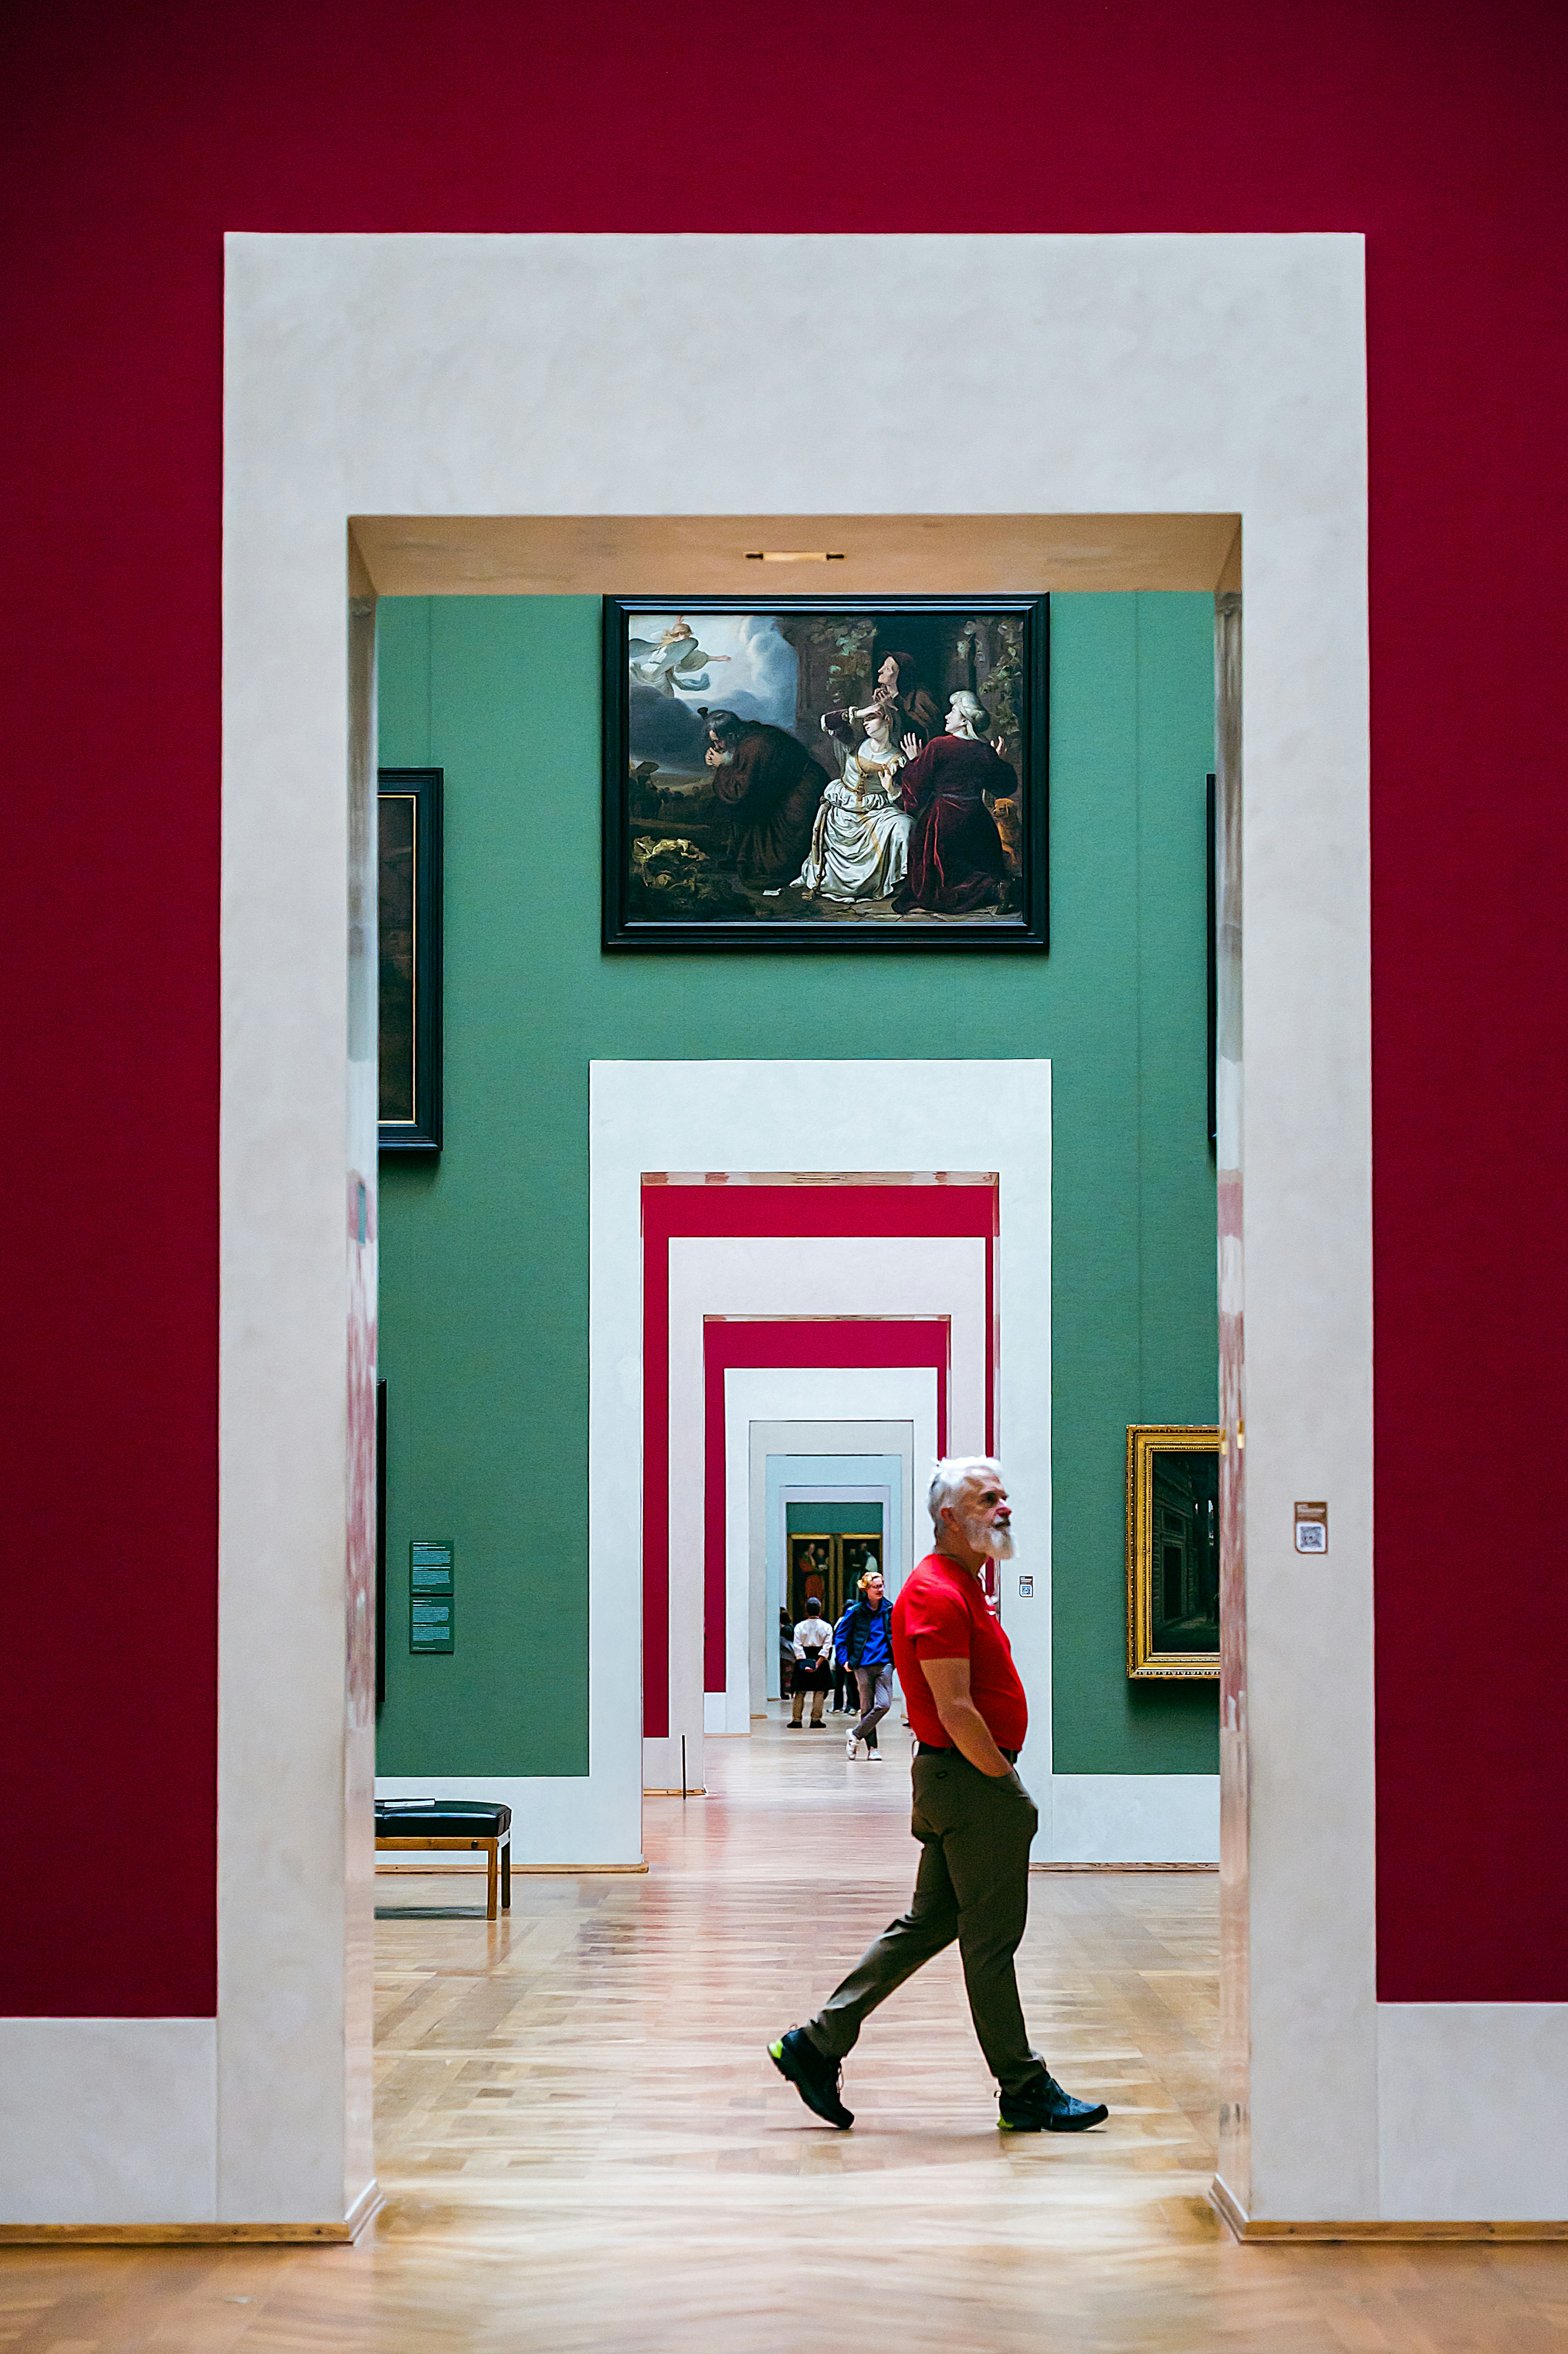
x,y
845,772
857,1554
1172,1550
813,1571
409,915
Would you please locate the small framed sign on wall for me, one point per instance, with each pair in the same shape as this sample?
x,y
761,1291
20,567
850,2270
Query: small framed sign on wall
x,y
410,915
432,1595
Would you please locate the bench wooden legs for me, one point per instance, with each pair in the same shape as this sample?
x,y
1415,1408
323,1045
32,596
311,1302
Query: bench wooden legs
x,y
497,1864
498,1851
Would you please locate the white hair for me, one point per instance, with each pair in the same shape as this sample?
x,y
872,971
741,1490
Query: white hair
x,y
953,1477
973,708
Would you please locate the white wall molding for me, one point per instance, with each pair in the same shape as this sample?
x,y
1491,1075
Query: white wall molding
x,y
1121,375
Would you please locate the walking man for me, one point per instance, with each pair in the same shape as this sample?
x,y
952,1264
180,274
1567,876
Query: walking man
x,y
868,1651
973,1818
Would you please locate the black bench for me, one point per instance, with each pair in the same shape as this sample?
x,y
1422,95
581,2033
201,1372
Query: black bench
x,y
452,1823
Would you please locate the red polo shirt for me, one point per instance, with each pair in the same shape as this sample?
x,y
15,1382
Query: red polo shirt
x,y
941,1613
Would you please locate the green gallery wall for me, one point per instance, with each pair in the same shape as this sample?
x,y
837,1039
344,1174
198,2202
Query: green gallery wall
x,y
483,1251
832,1520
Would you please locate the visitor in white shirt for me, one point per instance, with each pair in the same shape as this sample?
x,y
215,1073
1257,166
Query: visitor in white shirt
x,y
813,1665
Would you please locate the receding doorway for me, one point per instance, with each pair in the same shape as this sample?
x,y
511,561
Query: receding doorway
x,y
1207,375
831,1547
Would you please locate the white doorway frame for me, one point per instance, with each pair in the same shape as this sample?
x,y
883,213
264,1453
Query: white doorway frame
x,y
750,1477
634,376
449,376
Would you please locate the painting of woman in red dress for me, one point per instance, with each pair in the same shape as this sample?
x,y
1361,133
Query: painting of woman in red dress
x,y
956,863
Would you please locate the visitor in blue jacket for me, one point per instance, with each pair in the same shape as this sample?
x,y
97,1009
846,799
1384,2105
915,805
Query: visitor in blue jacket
x,y
868,1650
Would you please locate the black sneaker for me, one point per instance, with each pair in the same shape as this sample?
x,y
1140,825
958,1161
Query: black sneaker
x,y
814,2076
1042,2106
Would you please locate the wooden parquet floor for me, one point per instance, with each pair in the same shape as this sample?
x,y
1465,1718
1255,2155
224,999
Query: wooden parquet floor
x,y
583,2145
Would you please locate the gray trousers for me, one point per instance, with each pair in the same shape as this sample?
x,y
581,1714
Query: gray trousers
x,y
875,1688
972,1885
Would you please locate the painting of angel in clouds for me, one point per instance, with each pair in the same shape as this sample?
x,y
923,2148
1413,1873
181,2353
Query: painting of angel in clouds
x,y
672,663
841,773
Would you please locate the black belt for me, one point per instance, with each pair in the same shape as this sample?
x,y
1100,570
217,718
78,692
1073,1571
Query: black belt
x,y
948,1749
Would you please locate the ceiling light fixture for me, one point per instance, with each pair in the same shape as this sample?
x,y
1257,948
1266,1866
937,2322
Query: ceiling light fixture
x,y
794,556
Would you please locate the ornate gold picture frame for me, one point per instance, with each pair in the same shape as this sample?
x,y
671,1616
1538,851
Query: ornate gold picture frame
x,y
1172,1550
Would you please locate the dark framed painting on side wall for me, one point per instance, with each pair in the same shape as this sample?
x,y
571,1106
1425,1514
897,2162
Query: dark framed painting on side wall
x,y
409,906
845,772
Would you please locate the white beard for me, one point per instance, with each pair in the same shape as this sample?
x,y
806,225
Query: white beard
x,y
987,1537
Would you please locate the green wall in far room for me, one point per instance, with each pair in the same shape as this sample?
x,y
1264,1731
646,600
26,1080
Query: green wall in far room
x,y
484,1315
840,1519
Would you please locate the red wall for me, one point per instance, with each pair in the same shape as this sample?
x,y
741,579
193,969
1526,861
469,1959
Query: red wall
x,y
134,138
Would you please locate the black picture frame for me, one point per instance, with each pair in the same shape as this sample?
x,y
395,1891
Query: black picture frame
x,y
626,926
408,838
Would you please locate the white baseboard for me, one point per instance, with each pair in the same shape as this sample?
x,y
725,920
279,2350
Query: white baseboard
x,y
726,1712
1129,1819
108,2121
1084,1817
1473,2111
555,1819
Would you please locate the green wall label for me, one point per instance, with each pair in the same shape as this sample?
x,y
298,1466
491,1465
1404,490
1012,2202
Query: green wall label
x,y
432,1598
